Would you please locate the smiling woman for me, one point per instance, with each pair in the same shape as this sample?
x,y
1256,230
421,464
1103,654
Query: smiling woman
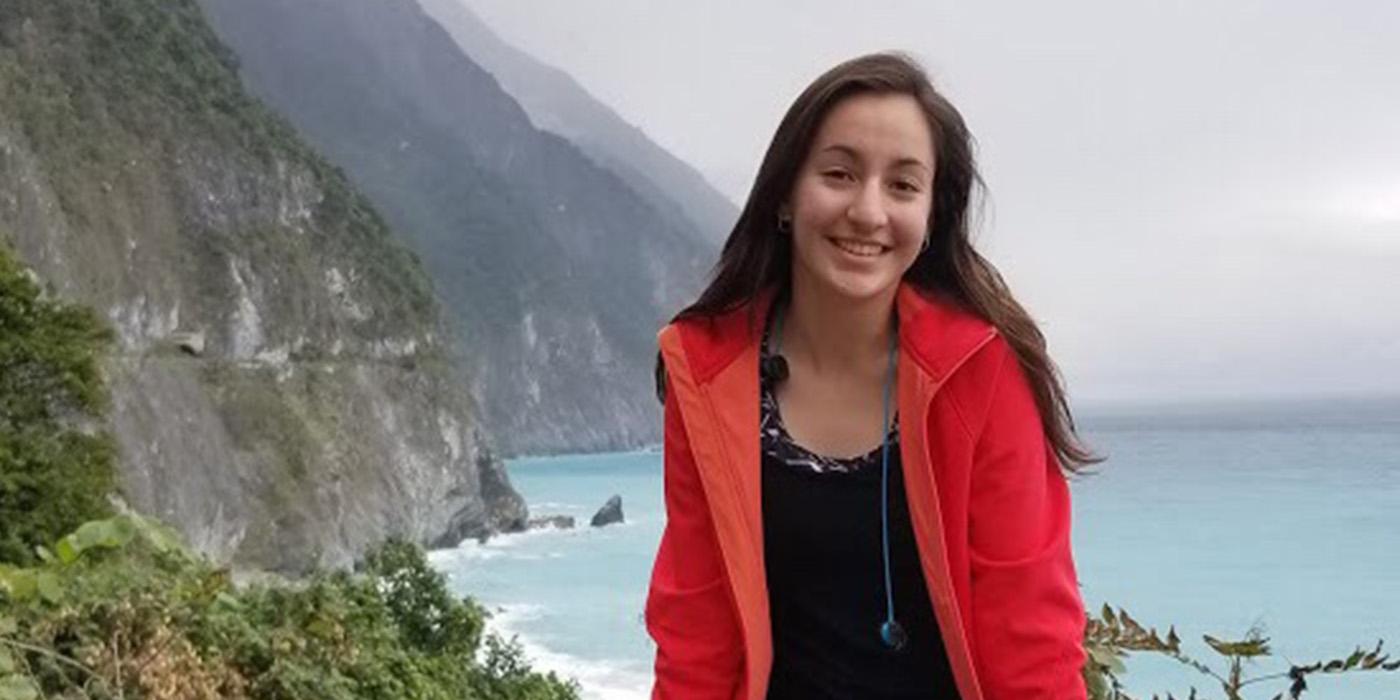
x,y
865,438
861,201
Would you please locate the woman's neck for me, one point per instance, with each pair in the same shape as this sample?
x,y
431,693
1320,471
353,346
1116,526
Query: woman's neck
x,y
836,334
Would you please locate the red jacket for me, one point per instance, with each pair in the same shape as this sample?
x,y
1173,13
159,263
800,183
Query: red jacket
x,y
988,503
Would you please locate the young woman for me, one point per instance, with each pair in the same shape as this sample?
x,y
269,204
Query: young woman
x,y
864,436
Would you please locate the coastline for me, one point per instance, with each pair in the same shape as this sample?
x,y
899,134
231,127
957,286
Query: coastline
x,y
519,616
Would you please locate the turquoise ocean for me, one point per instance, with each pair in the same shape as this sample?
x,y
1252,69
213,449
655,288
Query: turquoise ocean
x,y
1215,519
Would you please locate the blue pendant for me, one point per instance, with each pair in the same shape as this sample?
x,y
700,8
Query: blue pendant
x,y
892,634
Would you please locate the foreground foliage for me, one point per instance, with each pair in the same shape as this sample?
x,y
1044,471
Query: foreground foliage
x,y
53,474
121,609
1111,636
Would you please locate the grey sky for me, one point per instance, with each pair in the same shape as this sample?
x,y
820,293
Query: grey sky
x,y
1197,200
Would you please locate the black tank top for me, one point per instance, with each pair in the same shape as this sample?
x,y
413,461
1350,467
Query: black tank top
x,y
825,571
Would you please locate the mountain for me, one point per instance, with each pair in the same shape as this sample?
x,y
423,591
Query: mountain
x,y
556,272
283,389
558,104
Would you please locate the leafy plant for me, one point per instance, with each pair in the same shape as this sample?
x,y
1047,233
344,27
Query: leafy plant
x,y
1112,636
53,474
121,609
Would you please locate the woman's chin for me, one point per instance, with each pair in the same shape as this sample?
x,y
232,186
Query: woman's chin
x,y
860,287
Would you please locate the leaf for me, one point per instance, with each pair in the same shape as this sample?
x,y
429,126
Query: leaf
x,y
1108,616
1245,648
1116,667
17,688
1375,657
67,552
167,539
1106,658
49,587
111,533
1128,621
162,537
18,583
1355,658
7,662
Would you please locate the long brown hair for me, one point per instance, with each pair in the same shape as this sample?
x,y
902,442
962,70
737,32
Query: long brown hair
x,y
754,257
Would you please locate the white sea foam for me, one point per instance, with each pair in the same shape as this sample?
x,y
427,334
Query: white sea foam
x,y
599,679
498,546
503,545
544,506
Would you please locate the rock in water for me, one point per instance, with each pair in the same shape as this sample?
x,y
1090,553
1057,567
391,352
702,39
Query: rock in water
x,y
610,513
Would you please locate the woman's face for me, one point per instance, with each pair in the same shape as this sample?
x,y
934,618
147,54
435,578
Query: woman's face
x,y
861,201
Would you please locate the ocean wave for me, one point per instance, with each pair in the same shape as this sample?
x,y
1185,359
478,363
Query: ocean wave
x,y
599,679
498,546
543,506
503,545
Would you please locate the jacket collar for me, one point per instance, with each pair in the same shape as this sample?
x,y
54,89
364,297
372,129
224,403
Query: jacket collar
x,y
936,332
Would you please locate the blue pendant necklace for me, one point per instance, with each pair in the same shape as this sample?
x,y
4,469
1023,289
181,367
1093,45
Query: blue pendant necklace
x,y
892,634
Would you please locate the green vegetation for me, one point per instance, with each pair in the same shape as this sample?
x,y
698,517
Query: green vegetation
x,y
1113,635
120,608
53,475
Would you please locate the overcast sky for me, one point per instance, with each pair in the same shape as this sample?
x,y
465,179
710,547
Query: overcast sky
x,y
1196,200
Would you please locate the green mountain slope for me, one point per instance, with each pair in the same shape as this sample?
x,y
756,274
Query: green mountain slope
x,y
280,386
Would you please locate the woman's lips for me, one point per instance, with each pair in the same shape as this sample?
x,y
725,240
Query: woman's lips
x,y
860,249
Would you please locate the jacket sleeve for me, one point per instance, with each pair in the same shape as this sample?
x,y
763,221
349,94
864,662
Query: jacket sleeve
x,y
689,611
1028,618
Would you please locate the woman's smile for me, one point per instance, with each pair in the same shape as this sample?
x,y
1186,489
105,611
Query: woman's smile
x,y
859,249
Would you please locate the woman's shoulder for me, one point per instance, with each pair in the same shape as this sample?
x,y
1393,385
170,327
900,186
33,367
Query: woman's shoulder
x,y
710,341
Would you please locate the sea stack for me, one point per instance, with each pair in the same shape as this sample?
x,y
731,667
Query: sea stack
x,y
610,513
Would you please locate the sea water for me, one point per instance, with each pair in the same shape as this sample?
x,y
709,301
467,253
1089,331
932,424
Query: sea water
x,y
1213,519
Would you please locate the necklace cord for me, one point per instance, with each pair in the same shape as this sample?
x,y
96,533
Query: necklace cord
x,y
890,632
885,482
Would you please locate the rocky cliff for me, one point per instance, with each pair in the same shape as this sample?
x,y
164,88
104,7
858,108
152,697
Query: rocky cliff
x,y
556,272
282,388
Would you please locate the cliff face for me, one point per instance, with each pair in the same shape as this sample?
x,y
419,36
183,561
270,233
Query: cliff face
x,y
558,104
556,273
281,391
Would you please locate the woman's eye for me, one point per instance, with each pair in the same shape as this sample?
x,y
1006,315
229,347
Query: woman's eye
x,y
907,186
836,174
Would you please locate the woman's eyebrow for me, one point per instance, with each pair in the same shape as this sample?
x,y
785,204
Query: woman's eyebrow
x,y
853,154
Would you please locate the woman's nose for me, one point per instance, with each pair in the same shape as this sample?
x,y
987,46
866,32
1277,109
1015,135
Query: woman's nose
x,y
868,209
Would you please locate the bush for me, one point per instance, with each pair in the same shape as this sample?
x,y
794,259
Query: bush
x,y
121,609
53,476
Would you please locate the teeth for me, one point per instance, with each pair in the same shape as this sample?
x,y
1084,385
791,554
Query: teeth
x,y
861,249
